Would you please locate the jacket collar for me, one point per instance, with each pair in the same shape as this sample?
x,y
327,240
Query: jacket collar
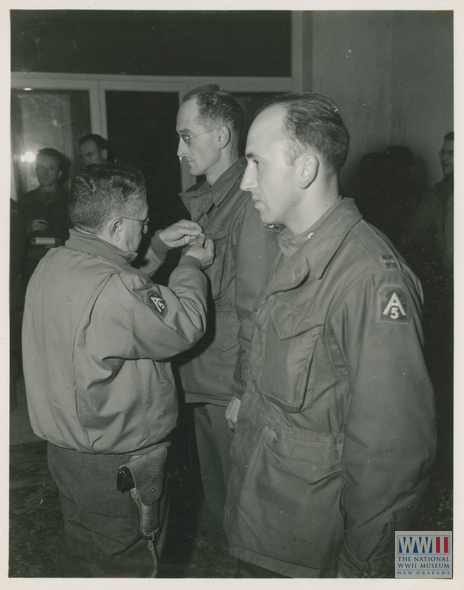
x,y
92,244
200,200
316,253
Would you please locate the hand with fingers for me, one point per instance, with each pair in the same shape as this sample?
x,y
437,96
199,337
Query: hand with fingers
x,y
181,233
202,250
232,412
39,225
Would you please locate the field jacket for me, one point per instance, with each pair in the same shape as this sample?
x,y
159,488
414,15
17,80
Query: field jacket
x,y
336,430
96,334
245,250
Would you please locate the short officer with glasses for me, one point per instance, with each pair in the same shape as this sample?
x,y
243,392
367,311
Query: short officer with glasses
x,y
209,122
97,336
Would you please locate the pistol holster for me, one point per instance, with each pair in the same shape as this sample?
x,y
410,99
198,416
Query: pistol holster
x,y
143,476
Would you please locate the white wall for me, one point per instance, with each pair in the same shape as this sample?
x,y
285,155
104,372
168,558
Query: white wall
x,y
391,74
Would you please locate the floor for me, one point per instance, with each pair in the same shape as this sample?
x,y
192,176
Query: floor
x,y
196,546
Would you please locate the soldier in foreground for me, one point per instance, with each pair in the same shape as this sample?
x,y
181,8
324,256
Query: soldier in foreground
x,y
335,434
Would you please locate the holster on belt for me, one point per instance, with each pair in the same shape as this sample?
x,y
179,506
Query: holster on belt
x,y
143,476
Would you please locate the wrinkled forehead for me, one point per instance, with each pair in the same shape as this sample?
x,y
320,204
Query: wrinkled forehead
x,y
268,128
138,203
89,146
188,118
47,161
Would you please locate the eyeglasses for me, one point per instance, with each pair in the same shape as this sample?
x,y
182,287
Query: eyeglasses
x,y
187,139
449,153
144,222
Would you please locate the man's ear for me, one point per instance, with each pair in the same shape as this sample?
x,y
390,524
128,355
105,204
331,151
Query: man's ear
x,y
114,228
104,154
307,169
224,135
60,174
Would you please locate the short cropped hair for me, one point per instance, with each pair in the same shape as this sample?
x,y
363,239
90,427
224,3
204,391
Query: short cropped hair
x,y
60,159
99,141
216,107
313,121
99,193
449,136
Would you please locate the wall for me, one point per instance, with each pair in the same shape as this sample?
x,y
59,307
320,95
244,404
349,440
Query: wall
x,y
391,75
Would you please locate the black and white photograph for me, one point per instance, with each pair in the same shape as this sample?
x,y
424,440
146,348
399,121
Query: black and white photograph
x,y
232,328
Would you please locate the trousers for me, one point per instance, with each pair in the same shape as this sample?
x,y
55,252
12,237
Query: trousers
x,y
214,439
101,527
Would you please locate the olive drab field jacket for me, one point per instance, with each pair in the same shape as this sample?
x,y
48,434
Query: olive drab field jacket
x,y
336,430
96,335
245,249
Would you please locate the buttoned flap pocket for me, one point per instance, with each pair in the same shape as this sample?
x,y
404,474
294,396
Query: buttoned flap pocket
x,y
309,461
289,347
216,271
227,328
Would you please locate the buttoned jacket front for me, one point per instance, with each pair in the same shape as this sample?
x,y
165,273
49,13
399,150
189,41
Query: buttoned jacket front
x,y
245,249
336,430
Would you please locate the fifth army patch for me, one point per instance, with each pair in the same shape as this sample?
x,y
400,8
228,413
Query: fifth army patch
x,y
393,305
158,303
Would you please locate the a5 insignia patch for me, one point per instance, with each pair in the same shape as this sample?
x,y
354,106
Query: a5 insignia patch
x,y
393,305
159,304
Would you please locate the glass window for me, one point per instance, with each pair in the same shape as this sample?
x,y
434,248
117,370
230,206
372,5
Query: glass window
x,y
46,118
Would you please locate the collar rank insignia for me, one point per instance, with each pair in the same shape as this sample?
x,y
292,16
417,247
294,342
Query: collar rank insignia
x,y
389,261
159,304
271,227
394,305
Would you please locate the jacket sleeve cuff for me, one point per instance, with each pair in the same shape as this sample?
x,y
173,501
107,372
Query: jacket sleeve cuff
x,y
190,261
159,247
237,390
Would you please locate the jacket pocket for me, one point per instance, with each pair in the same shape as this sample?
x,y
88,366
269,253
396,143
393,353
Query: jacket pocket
x,y
290,343
311,462
217,270
227,328
286,493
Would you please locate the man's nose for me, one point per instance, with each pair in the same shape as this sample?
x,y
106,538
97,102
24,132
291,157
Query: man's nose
x,y
182,149
247,180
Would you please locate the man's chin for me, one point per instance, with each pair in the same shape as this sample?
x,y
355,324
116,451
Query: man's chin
x,y
266,218
194,171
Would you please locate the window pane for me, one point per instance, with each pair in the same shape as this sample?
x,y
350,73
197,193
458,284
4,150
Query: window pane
x,y
46,118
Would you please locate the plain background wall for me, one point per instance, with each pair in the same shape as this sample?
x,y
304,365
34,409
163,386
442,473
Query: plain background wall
x,y
391,74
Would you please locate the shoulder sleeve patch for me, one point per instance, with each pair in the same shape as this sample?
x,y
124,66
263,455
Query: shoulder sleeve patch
x,y
158,304
393,305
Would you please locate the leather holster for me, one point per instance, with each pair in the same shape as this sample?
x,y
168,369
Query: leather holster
x,y
143,476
